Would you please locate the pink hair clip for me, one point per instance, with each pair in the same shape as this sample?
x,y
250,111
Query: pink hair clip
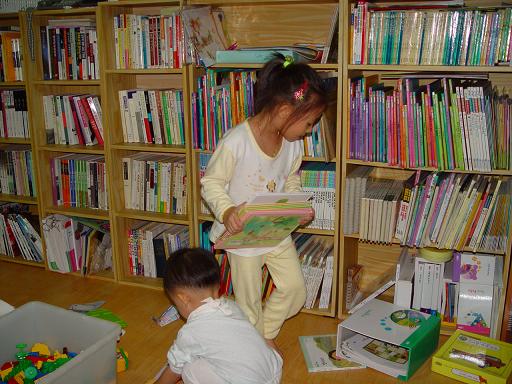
x,y
298,95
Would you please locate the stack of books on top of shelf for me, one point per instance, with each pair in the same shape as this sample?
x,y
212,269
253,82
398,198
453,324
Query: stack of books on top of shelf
x,y
13,114
18,237
444,123
77,245
222,100
11,56
150,245
152,116
16,172
79,181
73,119
155,183
433,35
145,42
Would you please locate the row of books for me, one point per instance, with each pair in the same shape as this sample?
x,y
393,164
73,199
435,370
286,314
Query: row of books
x,y
321,143
13,114
73,119
18,237
77,244
464,290
69,50
11,56
444,123
317,260
150,245
79,181
149,41
222,100
152,116
17,172
455,211
451,211
432,35
320,180
155,183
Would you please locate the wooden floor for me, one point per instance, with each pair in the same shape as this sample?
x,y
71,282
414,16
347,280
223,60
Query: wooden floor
x,y
147,343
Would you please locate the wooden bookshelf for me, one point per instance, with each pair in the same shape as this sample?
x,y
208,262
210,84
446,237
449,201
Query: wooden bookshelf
x,y
380,259
278,23
113,80
20,20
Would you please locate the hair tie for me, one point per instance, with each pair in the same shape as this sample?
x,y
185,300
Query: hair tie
x,y
298,95
287,61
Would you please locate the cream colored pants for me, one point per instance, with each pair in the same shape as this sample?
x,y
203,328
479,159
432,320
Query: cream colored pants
x,y
287,298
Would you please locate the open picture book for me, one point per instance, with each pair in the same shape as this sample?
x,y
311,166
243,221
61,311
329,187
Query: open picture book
x,y
268,219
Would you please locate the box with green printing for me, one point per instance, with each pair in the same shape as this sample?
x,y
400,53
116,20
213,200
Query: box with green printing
x,y
388,338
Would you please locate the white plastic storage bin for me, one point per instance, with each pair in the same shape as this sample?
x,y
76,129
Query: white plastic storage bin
x,y
93,339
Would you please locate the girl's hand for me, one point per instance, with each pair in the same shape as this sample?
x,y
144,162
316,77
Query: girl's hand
x,y
307,218
232,221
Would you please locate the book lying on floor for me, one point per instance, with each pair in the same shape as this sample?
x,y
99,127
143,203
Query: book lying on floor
x,y
320,354
268,219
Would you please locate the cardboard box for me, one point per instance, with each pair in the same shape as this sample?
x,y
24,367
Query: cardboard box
x,y
388,338
473,358
93,339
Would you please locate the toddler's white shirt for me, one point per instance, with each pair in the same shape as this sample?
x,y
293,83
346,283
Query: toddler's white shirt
x,y
219,332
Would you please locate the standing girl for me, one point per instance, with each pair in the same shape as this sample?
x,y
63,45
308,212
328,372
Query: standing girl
x,y
263,155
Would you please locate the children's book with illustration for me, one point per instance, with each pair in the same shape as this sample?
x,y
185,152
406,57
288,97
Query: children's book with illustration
x,y
389,338
320,354
268,219
473,358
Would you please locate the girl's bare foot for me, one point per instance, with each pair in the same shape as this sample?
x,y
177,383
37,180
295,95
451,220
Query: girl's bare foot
x,y
272,344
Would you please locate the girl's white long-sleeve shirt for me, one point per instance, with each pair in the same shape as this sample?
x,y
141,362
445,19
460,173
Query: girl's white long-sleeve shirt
x,y
239,170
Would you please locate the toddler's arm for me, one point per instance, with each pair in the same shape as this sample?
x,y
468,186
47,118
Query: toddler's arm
x,y
168,377
213,183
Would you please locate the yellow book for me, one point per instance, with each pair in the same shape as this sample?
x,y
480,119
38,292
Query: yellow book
x,y
473,358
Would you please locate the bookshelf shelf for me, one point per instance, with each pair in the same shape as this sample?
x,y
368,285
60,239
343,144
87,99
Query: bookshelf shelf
x,y
315,231
203,217
103,275
93,149
19,260
67,82
153,216
14,140
150,147
496,172
153,71
12,84
429,68
141,281
18,199
79,212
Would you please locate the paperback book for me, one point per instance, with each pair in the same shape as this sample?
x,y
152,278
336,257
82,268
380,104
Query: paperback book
x,y
268,219
320,354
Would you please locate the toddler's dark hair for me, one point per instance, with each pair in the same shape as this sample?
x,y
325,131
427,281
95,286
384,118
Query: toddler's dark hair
x,y
191,268
277,84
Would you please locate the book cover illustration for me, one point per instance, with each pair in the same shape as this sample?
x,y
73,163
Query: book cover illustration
x,y
320,354
268,219
473,358
205,33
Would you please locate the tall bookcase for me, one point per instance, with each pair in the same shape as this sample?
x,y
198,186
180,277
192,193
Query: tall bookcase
x,y
20,20
277,23
379,260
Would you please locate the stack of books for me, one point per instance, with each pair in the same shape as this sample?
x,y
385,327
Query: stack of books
x,y
73,119
13,114
11,57
152,116
69,50
16,172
